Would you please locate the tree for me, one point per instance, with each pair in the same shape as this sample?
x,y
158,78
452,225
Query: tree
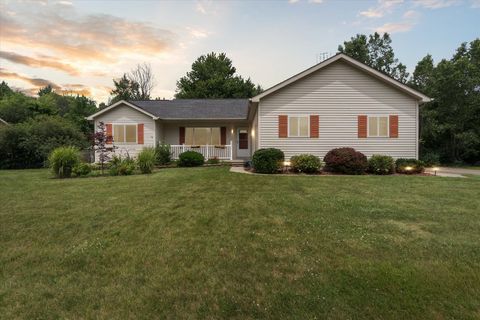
x,y
214,76
28,144
375,51
45,90
100,145
450,123
125,89
5,90
143,76
17,107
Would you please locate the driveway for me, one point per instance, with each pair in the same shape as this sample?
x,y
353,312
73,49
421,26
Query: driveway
x,y
458,171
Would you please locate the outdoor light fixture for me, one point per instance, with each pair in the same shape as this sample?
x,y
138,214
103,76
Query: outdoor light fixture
x,y
286,163
435,169
253,133
408,168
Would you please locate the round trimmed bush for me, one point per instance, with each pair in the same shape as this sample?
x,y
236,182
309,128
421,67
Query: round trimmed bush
x,y
267,160
346,160
306,163
82,169
146,160
62,160
190,159
409,166
380,164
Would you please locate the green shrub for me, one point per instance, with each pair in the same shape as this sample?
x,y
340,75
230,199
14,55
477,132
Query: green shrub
x,y
380,164
431,159
28,144
346,160
62,160
307,163
213,160
82,169
163,153
267,160
121,166
190,159
146,160
409,166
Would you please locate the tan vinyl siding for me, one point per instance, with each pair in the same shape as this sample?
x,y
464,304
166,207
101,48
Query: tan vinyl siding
x,y
123,115
339,93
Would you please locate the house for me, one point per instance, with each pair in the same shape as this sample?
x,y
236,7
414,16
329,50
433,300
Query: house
x,y
3,122
339,102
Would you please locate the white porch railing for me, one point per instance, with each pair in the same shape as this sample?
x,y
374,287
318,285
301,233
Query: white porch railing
x,y
223,152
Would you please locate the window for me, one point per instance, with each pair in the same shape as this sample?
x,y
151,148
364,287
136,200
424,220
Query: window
x,y
125,133
202,136
298,126
378,126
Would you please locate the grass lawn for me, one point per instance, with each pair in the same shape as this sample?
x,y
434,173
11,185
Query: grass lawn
x,y
207,243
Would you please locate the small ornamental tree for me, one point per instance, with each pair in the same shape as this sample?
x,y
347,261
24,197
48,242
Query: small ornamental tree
x,y
100,145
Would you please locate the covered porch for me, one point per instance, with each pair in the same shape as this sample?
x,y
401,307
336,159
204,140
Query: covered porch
x,y
222,140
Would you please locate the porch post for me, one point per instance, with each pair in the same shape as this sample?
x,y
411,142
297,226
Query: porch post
x,y
183,147
206,151
231,150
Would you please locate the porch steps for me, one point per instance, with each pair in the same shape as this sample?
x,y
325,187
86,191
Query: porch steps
x,y
236,163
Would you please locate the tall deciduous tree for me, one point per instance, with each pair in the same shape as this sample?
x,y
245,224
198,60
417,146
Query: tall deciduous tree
x,y
214,76
451,122
376,51
143,76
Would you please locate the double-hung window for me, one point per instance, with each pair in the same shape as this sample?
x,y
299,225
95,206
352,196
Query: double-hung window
x,y
202,136
378,126
125,133
298,126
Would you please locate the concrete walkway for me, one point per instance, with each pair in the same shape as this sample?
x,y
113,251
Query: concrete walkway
x,y
447,171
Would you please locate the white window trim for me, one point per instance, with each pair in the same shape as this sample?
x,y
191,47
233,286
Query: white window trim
x,y
124,132
378,125
299,116
194,142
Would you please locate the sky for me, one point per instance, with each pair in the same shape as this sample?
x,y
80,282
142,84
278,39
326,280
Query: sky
x,y
80,46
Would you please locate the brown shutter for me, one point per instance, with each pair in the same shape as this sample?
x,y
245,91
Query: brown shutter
x,y
181,135
362,126
140,134
282,126
393,126
109,133
314,126
223,136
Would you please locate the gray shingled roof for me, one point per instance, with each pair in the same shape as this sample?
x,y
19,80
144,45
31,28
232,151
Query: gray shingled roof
x,y
196,108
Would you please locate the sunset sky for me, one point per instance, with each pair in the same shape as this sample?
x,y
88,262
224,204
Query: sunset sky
x,y
79,46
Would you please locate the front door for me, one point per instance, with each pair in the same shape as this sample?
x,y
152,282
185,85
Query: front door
x,y
243,147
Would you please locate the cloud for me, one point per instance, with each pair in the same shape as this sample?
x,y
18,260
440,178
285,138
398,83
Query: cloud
x,y
475,3
198,33
411,14
315,1
39,62
99,37
395,27
384,7
293,1
38,83
436,4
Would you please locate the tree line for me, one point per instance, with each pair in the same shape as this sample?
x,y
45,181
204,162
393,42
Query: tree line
x,y
449,125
